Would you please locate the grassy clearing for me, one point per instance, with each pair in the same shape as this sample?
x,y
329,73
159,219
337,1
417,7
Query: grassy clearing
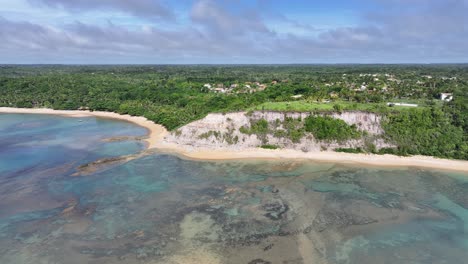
x,y
304,106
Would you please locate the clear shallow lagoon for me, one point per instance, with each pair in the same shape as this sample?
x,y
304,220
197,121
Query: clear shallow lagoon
x,y
163,209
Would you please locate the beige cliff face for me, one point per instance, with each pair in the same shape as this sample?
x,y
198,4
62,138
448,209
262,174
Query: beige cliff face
x,y
222,131
369,122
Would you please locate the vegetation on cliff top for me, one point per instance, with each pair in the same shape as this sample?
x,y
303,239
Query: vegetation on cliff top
x,y
426,132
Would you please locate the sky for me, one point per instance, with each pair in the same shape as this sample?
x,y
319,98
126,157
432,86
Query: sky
x,y
233,31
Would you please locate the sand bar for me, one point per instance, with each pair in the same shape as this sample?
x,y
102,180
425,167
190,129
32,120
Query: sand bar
x,y
156,134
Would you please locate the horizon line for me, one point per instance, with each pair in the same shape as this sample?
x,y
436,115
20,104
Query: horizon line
x,y
229,64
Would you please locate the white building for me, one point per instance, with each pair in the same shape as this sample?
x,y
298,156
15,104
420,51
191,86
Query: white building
x,y
446,97
219,90
402,104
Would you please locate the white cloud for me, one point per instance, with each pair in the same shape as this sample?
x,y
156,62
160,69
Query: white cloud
x,y
214,32
148,9
222,22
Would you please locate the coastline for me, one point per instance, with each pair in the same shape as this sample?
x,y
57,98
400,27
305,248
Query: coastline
x,y
156,134
325,156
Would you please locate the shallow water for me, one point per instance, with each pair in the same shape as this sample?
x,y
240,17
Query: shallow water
x,y
163,209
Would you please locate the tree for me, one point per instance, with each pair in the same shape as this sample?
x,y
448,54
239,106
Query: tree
x,y
338,108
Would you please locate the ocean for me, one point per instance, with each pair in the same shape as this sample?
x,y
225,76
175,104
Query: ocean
x,y
67,197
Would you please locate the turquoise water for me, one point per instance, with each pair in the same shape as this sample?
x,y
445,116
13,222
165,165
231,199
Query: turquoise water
x,y
164,209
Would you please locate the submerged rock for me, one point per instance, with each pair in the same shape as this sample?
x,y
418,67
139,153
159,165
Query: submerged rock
x,y
333,218
275,210
259,261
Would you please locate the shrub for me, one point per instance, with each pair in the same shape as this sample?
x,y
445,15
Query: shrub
x,y
280,133
244,130
210,133
349,150
259,127
338,107
383,151
267,146
328,128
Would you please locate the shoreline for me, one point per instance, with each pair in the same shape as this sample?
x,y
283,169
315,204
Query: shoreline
x,y
325,156
156,134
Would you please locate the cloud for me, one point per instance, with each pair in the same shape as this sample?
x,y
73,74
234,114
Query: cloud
x,y
222,21
218,33
93,43
431,27
348,37
147,9
28,36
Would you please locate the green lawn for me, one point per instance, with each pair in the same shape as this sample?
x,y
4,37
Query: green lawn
x,y
300,106
304,106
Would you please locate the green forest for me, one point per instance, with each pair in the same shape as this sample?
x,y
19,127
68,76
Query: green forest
x,y
174,95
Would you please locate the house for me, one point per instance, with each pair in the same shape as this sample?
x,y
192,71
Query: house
x,y
446,97
219,90
261,87
402,104
207,85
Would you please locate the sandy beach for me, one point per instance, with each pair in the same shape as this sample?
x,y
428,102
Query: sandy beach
x,y
156,134
334,157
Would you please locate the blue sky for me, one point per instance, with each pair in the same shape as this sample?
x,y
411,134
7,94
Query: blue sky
x,y
233,31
